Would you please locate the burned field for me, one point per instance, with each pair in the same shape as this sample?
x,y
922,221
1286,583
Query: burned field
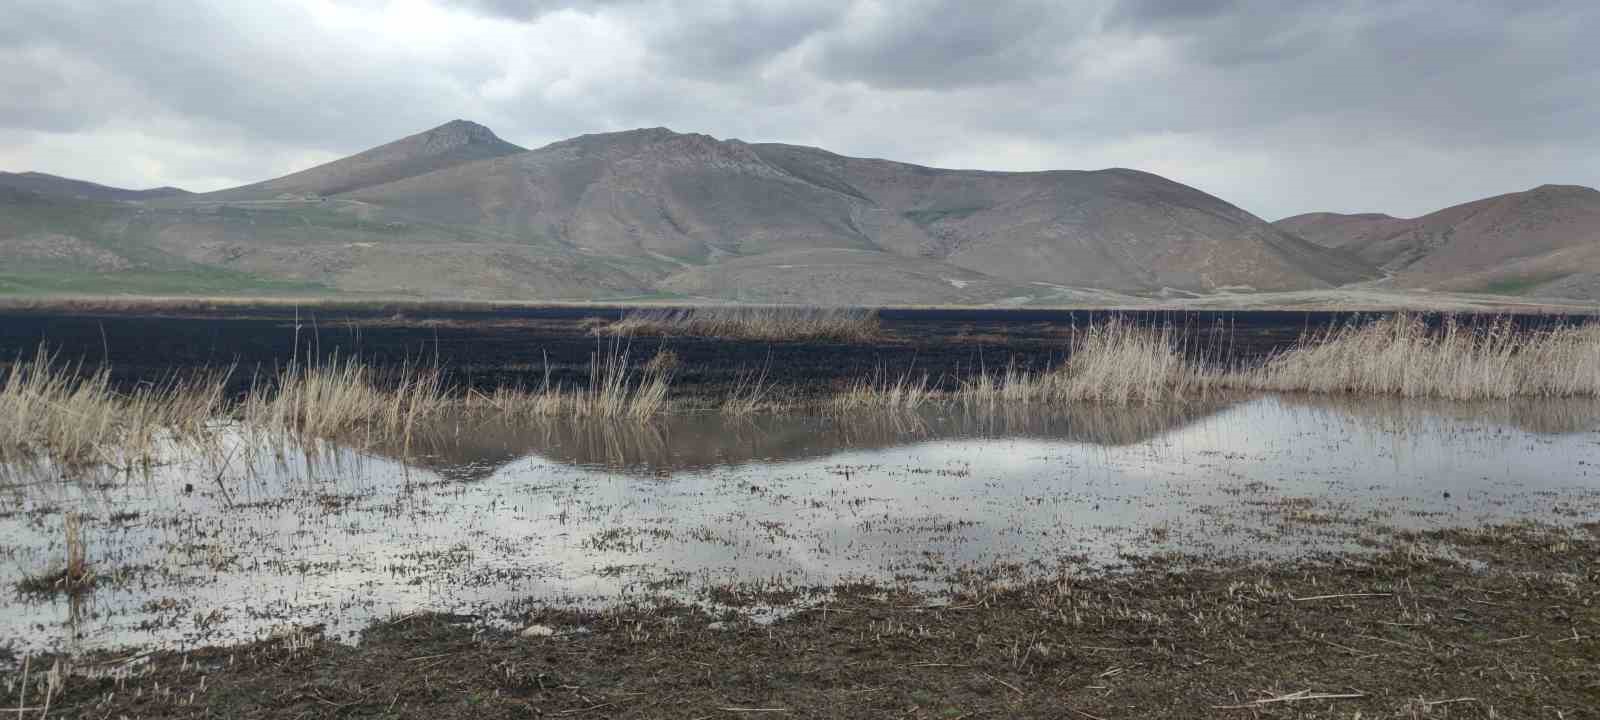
x,y
518,347
1254,526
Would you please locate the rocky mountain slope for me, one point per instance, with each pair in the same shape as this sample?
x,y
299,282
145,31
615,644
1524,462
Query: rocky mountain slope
x,y
1541,242
458,212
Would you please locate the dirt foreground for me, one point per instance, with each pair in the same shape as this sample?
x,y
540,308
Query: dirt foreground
x,y
1501,622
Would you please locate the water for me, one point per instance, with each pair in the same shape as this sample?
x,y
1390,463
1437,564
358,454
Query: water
x,y
229,543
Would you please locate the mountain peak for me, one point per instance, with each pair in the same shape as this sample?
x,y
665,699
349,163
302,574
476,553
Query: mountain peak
x,y
462,131
453,143
1553,189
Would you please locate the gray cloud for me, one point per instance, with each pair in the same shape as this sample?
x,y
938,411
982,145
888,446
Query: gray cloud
x,y
1281,107
534,9
936,44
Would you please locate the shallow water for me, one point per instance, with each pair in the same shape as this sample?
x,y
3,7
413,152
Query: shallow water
x,y
483,520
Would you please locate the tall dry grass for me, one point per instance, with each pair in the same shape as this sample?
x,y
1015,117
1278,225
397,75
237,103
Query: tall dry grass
x,y
774,322
344,399
1113,363
74,417
909,391
616,390
1402,356
1118,364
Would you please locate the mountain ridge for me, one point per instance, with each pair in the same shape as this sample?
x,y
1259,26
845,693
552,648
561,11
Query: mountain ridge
x,y
58,186
455,211
1544,240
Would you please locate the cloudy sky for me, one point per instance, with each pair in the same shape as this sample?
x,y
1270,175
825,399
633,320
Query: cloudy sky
x,y
1280,106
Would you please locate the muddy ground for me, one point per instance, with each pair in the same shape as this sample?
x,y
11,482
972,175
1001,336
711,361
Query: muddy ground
x,y
1499,622
520,346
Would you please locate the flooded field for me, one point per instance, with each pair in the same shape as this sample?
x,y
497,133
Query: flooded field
x,y
763,514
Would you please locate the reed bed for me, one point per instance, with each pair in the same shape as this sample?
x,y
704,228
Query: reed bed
x,y
1114,363
75,417
1120,364
344,399
616,390
880,392
51,410
1402,356
752,323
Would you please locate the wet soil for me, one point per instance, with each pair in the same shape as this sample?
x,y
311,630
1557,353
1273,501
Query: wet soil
x,y
1495,622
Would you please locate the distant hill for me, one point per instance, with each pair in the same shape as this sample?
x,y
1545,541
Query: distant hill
x,y
450,144
54,186
458,212
1544,241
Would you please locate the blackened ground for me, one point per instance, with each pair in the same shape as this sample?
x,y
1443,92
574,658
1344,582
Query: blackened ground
x,y
520,346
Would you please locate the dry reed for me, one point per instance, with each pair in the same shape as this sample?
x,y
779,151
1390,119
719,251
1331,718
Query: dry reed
x,y
752,323
343,399
748,395
615,390
1401,355
75,417
880,392
77,573
1114,363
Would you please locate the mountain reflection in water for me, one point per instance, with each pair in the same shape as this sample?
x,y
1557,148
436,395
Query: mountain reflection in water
x,y
475,450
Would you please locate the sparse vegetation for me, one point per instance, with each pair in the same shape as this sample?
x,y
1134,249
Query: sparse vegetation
x,y
906,392
775,323
1405,631
75,416
75,575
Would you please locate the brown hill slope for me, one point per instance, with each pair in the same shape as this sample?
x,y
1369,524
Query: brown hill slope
x,y
1339,230
1119,229
696,200
457,212
56,186
452,143
1544,241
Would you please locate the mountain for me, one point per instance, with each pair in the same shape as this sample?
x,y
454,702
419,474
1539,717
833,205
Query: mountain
x,y
1543,242
448,145
458,212
716,207
55,186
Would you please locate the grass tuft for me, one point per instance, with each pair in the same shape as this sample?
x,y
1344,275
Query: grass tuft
x,y
752,323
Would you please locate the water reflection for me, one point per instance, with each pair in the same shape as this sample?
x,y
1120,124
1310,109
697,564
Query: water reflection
x,y
1543,416
696,442
225,544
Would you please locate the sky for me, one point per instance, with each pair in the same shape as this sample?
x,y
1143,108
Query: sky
x,y
1279,106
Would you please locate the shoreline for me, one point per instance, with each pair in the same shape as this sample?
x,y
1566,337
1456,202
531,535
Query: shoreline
x,y
1497,621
